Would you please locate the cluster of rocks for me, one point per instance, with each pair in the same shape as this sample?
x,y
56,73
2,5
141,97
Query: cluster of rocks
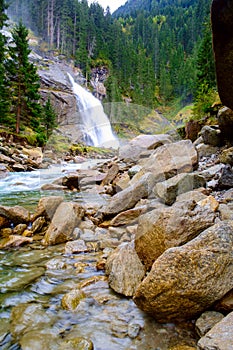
x,y
18,156
167,208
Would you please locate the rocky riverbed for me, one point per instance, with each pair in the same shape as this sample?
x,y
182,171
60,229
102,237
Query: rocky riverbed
x,y
159,230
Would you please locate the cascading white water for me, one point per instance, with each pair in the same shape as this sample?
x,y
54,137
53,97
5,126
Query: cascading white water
x,y
97,128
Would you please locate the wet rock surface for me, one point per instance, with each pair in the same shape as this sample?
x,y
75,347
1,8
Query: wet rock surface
x,y
65,219
49,312
90,228
180,283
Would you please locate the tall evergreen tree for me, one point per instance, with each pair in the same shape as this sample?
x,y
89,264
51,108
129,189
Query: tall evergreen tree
x,y
3,90
205,61
23,82
49,118
206,86
156,36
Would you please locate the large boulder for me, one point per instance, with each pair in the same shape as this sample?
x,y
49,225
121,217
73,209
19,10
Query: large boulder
x,y
226,156
16,214
171,159
64,221
219,337
14,241
211,135
222,27
135,147
129,216
124,269
225,180
225,121
184,281
47,207
168,190
127,198
173,226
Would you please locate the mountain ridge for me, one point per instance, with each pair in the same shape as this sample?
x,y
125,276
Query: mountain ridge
x,y
151,6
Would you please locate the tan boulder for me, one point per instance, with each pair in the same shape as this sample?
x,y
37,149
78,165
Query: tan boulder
x,y
226,156
184,281
111,174
16,214
168,190
67,216
171,159
132,150
225,118
19,229
14,241
71,300
124,269
127,198
34,153
173,226
47,207
122,182
38,224
77,246
128,216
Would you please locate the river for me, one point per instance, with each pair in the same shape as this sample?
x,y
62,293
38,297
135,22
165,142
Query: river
x,y
34,280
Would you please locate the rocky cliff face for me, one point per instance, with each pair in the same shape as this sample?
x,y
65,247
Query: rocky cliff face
x,y
55,85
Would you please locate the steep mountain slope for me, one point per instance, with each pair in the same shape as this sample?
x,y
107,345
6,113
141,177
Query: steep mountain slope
x,y
149,47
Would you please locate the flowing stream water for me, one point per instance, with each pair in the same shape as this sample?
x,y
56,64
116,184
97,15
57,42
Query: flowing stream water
x,y
34,279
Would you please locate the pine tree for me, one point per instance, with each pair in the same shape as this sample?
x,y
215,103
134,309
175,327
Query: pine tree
x,y
205,61
3,90
23,82
49,118
205,90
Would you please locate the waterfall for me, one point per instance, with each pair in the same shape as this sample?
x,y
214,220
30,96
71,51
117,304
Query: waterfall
x,y
97,128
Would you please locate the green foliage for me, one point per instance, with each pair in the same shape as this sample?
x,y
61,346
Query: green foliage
x,y
204,100
205,63
4,105
154,49
80,149
205,89
3,16
23,82
49,118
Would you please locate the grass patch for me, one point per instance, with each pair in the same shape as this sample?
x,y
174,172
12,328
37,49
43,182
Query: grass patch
x,y
58,143
78,149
